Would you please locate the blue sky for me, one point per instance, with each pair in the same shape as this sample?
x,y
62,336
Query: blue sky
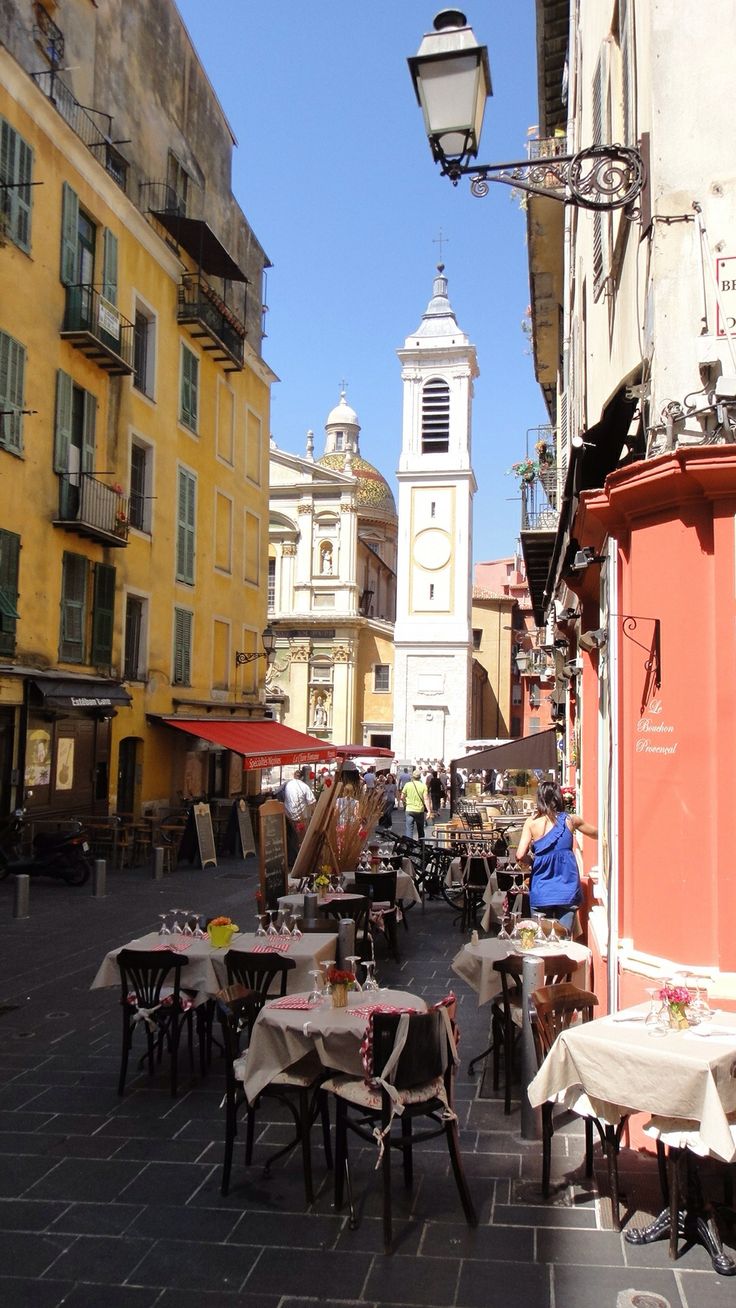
x,y
334,174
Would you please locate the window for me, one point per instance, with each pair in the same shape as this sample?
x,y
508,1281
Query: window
x,y
221,655
185,526
339,440
179,181
253,439
78,240
601,136
477,637
431,590
271,584
144,350
534,724
110,266
435,417
189,389
9,564
516,726
223,532
12,374
225,433
182,647
535,696
516,693
16,170
74,439
141,478
381,678
103,614
135,614
73,607
432,508
252,548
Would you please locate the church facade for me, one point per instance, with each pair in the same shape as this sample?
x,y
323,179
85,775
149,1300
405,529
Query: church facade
x,y
332,589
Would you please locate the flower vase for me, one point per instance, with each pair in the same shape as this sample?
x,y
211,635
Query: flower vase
x,y
678,1020
339,996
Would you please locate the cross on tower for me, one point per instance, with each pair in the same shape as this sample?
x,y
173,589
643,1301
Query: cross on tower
x,y
343,387
441,240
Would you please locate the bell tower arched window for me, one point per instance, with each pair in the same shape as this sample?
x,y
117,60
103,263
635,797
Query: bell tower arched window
x,y
435,416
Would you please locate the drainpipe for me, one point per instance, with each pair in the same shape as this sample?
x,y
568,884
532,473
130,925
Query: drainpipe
x,y
614,672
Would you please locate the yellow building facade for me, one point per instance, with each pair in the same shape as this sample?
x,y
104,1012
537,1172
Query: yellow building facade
x,y
134,416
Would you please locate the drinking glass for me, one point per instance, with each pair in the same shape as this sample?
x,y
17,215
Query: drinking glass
x,y
285,930
327,964
189,917
271,929
504,933
370,983
296,931
176,927
539,919
354,959
315,994
656,1021
199,932
698,1010
259,925
164,929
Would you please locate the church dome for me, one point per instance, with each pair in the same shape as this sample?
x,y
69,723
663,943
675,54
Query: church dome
x,y
342,415
374,491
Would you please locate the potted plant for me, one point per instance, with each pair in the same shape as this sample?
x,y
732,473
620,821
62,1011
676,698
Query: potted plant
x,y
340,982
526,470
221,931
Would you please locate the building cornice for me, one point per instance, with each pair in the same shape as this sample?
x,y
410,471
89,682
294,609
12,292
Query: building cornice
x,y
656,486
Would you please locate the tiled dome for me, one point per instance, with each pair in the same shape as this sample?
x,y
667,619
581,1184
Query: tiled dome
x,y
373,490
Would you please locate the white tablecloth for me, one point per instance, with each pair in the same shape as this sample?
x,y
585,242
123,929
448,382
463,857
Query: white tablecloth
x,y
406,890
205,970
474,964
282,1036
608,1068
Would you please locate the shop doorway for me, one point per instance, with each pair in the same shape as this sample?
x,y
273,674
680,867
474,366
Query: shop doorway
x,y
128,760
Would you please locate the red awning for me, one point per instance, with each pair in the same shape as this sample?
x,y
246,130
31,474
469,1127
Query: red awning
x,y
363,751
262,744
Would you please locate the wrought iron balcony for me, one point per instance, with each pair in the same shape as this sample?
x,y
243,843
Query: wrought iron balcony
x,y
210,318
534,663
92,508
539,510
92,126
93,325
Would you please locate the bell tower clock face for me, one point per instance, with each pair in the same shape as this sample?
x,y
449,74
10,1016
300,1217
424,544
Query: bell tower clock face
x,y
432,549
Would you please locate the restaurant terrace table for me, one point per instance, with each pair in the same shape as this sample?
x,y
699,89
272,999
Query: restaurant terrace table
x,y
406,891
612,1066
282,1036
474,963
205,972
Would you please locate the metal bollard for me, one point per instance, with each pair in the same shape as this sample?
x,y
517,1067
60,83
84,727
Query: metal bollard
x,y
158,863
21,895
532,978
99,879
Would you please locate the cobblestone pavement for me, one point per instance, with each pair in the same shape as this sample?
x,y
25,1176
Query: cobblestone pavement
x,y
109,1202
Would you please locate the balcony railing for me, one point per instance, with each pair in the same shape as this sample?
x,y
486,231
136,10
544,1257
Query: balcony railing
x,y
93,325
92,508
159,197
536,664
92,126
539,510
209,318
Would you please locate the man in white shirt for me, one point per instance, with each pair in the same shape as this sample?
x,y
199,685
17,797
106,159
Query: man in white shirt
x,y
299,802
369,778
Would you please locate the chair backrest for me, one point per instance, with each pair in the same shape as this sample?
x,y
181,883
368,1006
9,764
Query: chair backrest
x,y
353,906
237,1008
143,973
258,972
425,1055
557,968
477,870
556,1008
378,887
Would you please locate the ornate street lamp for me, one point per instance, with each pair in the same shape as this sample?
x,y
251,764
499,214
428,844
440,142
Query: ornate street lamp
x,y
269,644
452,81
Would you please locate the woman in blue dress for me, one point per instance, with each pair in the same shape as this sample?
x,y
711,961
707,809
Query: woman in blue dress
x,y
548,837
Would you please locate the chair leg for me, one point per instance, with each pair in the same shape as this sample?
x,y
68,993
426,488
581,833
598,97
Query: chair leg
x,y
386,1174
324,1112
508,1059
341,1152
453,1144
611,1148
662,1169
547,1133
406,1150
227,1161
127,1041
249,1133
305,1121
588,1146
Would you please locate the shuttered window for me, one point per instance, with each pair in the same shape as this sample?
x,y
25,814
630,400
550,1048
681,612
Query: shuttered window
x,y
73,607
110,267
435,417
189,398
12,374
601,136
69,234
103,614
182,647
185,526
133,633
628,80
9,562
16,171
75,423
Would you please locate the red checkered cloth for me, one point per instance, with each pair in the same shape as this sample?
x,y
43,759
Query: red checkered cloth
x,y
294,1001
276,945
367,1010
178,945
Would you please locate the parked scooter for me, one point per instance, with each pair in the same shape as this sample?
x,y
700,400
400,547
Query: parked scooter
x,y
64,855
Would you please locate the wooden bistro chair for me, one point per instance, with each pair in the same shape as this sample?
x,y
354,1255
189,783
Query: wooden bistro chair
x,y
409,1075
298,1088
356,907
152,999
379,888
556,1008
506,1011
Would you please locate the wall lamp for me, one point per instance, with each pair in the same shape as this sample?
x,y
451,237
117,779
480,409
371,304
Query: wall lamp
x,y
452,81
269,644
584,558
578,443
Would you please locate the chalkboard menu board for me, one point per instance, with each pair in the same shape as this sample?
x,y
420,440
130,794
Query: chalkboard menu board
x,y
245,828
205,834
274,869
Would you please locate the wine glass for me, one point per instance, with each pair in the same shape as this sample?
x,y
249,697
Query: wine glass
x,y
271,929
370,983
539,919
656,1022
296,932
315,994
515,920
259,925
176,927
189,917
327,964
354,959
504,933
285,930
199,932
164,929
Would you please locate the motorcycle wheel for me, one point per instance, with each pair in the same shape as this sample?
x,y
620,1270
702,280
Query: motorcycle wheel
x,y
79,874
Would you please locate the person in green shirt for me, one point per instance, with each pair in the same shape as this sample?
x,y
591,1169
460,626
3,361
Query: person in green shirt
x,y
416,805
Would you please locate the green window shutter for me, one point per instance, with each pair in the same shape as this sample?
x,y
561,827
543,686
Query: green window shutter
x,y
16,166
69,234
189,388
88,432
73,608
12,373
110,267
185,530
9,562
63,427
182,647
103,614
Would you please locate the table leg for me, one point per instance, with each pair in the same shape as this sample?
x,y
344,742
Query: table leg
x,y
694,1220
